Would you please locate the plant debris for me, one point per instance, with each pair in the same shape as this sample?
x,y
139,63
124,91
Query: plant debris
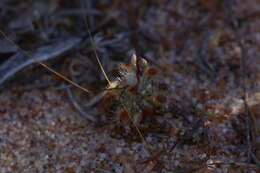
x,y
189,102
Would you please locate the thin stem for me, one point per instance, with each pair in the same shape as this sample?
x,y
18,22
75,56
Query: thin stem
x,y
44,65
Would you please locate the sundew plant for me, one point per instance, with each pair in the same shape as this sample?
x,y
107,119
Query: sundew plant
x,y
138,86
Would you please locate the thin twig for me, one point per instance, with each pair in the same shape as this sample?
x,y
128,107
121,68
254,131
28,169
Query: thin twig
x,y
78,108
250,119
44,57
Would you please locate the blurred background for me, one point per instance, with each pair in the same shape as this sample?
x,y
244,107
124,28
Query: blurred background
x,y
199,37
207,52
